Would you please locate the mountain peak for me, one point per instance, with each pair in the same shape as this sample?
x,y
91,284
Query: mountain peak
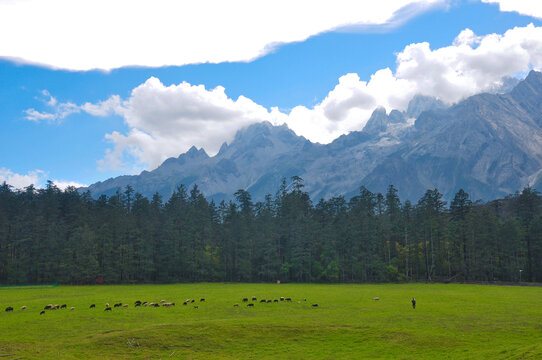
x,y
421,103
193,152
534,78
377,123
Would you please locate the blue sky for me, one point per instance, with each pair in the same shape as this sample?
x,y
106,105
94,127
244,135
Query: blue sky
x,y
82,126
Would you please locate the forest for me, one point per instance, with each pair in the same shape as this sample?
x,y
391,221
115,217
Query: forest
x,y
52,236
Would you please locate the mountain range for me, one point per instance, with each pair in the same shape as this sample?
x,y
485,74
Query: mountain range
x,y
489,144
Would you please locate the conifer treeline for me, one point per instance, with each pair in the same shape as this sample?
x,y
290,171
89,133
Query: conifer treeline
x,y
48,235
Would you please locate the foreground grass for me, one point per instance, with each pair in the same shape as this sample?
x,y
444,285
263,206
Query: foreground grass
x,y
450,322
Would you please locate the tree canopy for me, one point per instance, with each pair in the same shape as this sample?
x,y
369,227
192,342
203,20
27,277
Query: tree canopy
x,y
48,235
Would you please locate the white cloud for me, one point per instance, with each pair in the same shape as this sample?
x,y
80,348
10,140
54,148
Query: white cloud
x,y
20,181
34,177
472,64
165,121
103,34
524,7
63,185
168,120
104,108
59,110
52,100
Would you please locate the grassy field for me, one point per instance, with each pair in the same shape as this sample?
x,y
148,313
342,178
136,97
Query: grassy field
x,y
449,322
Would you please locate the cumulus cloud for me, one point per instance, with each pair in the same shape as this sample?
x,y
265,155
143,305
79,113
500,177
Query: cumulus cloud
x,y
524,7
20,181
102,34
165,121
472,64
168,120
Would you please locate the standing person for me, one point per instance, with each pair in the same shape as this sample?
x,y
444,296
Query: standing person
x,y
413,303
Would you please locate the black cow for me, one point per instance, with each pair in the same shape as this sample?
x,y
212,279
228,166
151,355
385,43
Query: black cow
x,y
251,304
245,299
92,306
108,308
202,299
9,308
63,306
315,305
42,312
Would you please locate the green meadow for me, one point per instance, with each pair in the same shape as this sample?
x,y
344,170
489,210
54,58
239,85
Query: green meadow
x,y
450,321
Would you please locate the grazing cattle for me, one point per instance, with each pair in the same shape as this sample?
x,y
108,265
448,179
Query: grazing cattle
x,y
108,308
269,301
138,302
314,305
156,305
281,298
185,303
288,299
251,304
202,299
92,306
254,298
195,306
245,299
48,307
235,305
263,300
162,301
9,308
55,307
276,300
304,299
145,303
117,305
192,300
23,307
72,308
63,306
125,306
106,304
42,312
376,298
168,304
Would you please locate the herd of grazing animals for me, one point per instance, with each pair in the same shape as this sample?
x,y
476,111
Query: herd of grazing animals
x,y
162,303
